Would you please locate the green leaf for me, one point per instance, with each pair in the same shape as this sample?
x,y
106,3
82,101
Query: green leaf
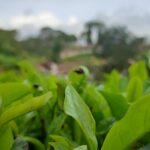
x,y
9,76
52,86
14,127
113,81
138,69
6,138
78,77
134,125
12,111
57,123
61,143
75,107
0,104
32,74
97,103
117,103
134,89
83,147
10,92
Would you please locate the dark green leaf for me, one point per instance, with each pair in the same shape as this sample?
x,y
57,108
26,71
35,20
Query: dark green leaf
x,y
97,103
117,103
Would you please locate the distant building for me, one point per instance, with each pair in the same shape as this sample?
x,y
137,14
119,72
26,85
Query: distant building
x,y
74,50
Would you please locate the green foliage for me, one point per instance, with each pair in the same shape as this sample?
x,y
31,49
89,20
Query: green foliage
x,y
134,89
37,144
138,69
75,107
6,138
133,126
24,106
78,77
61,143
50,112
84,147
49,43
16,91
113,81
117,103
8,43
97,103
116,44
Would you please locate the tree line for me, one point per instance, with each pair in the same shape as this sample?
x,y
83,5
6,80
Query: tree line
x,y
115,43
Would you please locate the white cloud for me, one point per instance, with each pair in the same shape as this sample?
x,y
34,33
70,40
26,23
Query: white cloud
x,y
73,25
138,24
135,22
36,20
32,23
73,21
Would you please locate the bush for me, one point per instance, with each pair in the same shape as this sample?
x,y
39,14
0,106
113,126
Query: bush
x,y
40,111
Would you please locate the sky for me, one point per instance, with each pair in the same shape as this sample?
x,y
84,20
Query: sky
x,y
29,16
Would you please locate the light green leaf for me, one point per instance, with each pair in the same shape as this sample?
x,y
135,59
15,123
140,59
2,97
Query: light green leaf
x,y
75,107
83,147
134,89
6,138
134,125
113,81
10,92
138,69
78,77
21,108
61,143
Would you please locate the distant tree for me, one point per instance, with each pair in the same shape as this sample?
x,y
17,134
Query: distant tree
x,y
8,43
56,49
89,33
115,44
119,46
90,27
48,43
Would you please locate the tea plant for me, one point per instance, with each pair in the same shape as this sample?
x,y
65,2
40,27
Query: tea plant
x,y
45,111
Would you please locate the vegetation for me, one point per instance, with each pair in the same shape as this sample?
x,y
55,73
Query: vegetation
x,y
77,111
48,43
44,111
116,44
109,44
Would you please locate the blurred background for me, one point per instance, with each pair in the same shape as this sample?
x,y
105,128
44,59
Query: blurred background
x,y
57,35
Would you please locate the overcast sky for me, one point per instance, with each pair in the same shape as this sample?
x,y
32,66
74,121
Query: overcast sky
x,y
70,15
